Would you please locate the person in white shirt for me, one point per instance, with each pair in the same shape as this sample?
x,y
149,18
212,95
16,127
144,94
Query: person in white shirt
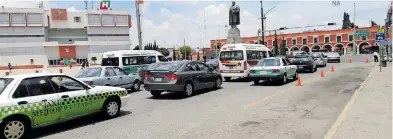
x,y
376,56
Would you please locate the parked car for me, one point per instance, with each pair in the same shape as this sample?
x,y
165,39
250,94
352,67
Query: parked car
x,y
273,69
109,76
333,56
319,59
42,99
213,63
304,63
295,53
184,77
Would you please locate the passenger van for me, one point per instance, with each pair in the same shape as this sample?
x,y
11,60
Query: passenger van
x,y
235,60
132,61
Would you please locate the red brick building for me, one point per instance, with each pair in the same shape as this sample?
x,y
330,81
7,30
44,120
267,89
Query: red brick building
x,y
330,40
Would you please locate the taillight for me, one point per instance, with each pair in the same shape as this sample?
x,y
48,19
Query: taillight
x,y
290,56
147,75
252,71
140,73
245,65
276,70
171,76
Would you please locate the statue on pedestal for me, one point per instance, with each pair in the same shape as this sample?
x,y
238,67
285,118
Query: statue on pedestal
x,y
234,20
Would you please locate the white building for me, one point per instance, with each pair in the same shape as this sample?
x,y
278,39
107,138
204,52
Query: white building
x,y
52,37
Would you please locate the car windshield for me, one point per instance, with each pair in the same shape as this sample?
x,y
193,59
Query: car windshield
x,y
3,83
269,62
88,72
231,55
138,60
170,66
333,54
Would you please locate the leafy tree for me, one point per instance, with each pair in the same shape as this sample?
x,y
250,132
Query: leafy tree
x,y
185,51
155,46
352,25
136,47
373,23
174,54
275,46
163,51
198,57
146,47
346,21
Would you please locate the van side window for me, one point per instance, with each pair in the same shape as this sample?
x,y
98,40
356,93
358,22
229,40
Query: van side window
x,y
264,54
270,54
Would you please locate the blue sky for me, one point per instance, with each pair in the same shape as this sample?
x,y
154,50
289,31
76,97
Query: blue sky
x,y
169,22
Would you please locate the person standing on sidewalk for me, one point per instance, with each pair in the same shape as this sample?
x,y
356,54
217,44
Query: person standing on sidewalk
x,y
376,56
83,64
9,66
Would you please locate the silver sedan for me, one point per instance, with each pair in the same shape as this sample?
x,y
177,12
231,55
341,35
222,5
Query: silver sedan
x,y
109,76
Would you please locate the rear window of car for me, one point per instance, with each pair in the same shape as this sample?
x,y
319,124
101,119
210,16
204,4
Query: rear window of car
x,y
4,83
88,72
172,66
269,62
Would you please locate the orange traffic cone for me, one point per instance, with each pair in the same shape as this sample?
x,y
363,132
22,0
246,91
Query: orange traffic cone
x,y
332,69
299,82
350,60
366,59
322,74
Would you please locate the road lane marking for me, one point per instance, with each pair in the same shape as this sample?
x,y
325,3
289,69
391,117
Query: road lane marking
x,y
343,115
284,91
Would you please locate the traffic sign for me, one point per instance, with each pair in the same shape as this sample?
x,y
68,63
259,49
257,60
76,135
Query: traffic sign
x,y
379,36
362,33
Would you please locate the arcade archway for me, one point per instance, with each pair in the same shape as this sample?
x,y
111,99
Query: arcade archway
x,y
294,48
315,48
339,48
349,48
364,48
327,47
305,48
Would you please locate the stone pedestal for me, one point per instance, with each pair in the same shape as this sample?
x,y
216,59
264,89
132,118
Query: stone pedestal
x,y
234,36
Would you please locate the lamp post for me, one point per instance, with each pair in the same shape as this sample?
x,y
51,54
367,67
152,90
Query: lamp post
x,y
259,39
263,17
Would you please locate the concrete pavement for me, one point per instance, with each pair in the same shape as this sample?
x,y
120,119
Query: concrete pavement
x,y
238,110
368,115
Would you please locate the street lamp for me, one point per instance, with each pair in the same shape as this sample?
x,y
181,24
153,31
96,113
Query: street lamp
x,y
263,17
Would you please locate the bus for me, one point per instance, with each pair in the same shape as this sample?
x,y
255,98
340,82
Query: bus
x,y
235,59
132,61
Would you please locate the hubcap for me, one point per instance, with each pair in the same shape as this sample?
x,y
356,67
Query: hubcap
x,y
112,108
218,83
14,130
136,86
189,89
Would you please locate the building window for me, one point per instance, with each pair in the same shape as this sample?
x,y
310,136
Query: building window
x,y
350,37
54,62
327,39
364,38
284,42
293,41
274,43
315,40
304,41
77,19
338,38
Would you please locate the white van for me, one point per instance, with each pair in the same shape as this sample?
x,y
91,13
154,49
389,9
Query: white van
x,y
235,59
132,61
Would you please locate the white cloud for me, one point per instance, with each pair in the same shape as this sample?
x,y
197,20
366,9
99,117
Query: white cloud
x,y
72,9
176,26
27,4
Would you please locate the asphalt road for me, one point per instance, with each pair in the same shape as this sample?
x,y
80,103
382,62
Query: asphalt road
x,y
238,110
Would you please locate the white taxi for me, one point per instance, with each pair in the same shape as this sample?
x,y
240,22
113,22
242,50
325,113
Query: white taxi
x,y
35,100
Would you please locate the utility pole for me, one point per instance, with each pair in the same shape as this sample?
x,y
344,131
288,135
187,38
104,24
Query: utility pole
x,y
138,20
262,25
204,20
354,47
86,5
185,50
275,43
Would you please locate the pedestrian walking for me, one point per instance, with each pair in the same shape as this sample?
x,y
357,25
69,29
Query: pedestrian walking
x,y
83,64
376,56
87,63
9,67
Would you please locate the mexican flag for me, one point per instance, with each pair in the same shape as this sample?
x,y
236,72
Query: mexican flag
x,y
105,5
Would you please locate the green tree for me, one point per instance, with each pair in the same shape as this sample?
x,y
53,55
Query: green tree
x,y
155,46
373,23
136,47
185,50
146,47
346,21
198,57
163,51
353,24
174,54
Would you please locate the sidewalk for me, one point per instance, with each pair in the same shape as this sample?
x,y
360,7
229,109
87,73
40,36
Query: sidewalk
x,y
370,116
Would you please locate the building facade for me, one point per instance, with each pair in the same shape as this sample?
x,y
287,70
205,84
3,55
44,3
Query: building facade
x,y
328,40
56,36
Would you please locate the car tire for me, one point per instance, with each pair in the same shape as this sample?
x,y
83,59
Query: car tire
x,y
136,86
218,83
294,77
256,82
227,79
156,93
111,108
315,69
16,124
188,90
284,79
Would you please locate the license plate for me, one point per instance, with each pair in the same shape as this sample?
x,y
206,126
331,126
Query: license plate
x,y
158,79
263,72
300,67
231,67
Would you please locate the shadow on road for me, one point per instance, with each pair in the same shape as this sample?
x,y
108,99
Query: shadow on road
x,y
239,80
179,95
76,123
272,83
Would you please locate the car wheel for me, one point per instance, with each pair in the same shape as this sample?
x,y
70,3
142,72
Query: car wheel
x,y
295,76
227,79
14,128
284,79
188,90
156,93
315,69
256,82
111,108
218,83
136,86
